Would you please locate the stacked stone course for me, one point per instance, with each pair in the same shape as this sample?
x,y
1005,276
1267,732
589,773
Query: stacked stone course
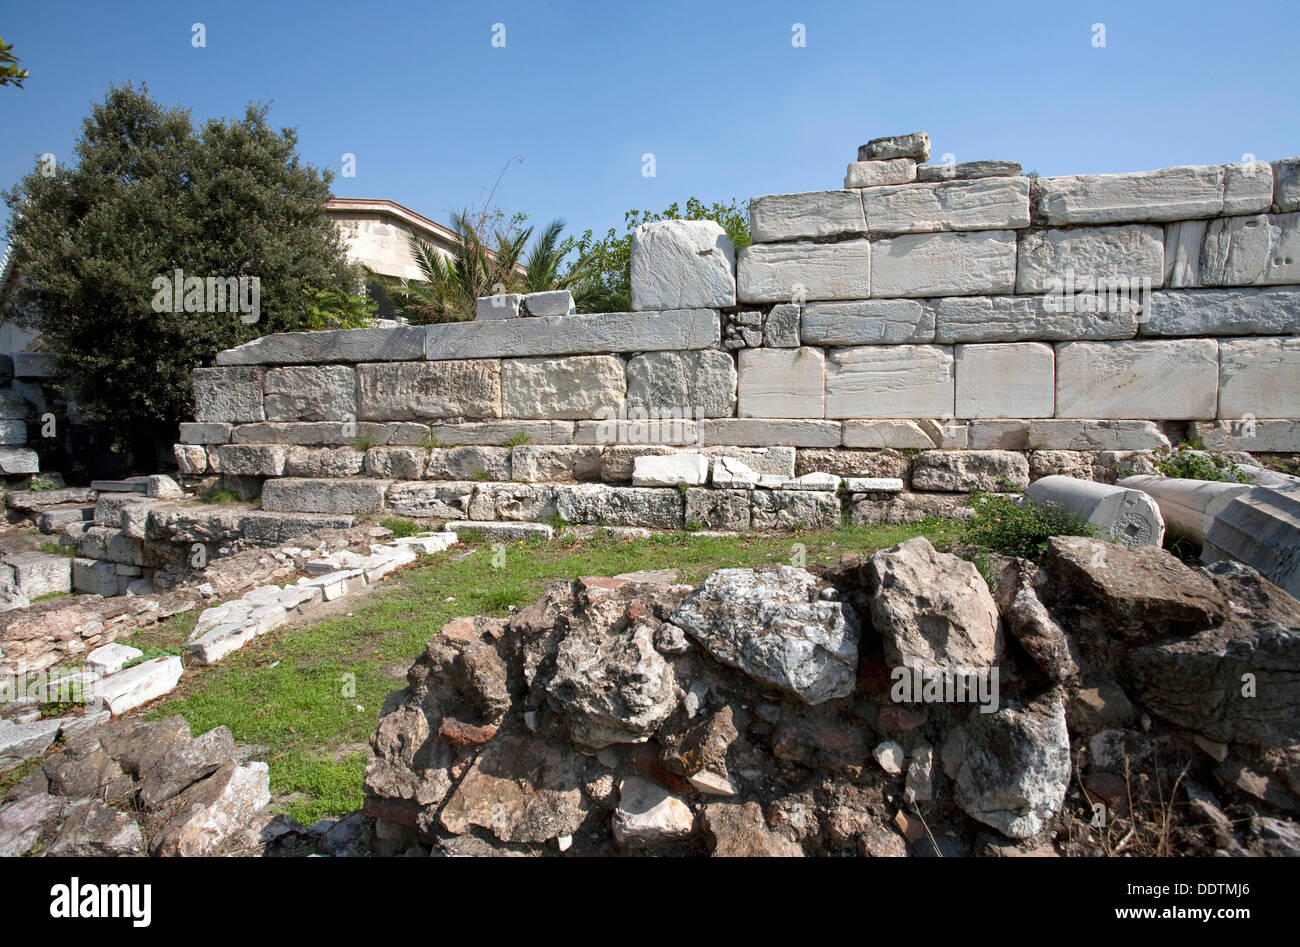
x,y
960,307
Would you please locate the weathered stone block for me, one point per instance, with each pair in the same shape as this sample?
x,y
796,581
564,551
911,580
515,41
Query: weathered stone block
x,y
788,509
699,384
1259,377
813,214
1286,185
1224,312
1014,380
1181,193
444,501
915,146
890,381
867,322
1096,435
796,272
18,460
853,463
1262,435
38,573
1046,256
499,433
962,471
531,463
387,344
1236,251
406,391
669,331
944,264
396,463
248,460
879,173
968,170
656,508
322,462
717,509
782,383
228,394
468,463
310,393
781,327
13,433
984,204
555,302
1184,240
499,306
1155,380
682,264
905,434
1023,318
194,433
669,470
574,387
295,495
765,432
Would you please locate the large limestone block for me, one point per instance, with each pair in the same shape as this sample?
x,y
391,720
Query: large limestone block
x,y
1023,318
1181,193
407,391
248,460
794,509
984,204
813,214
228,394
295,495
319,461
541,463
1278,435
439,500
311,393
1169,380
682,264
701,384
890,381
961,471
1236,251
388,344
555,302
668,470
1223,312
585,333
944,264
718,508
652,507
880,173
796,272
769,432
1044,256
498,433
1016,380
1184,240
903,435
575,387
470,462
1061,434
140,684
782,383
1260,378
867,322
498,306
956,170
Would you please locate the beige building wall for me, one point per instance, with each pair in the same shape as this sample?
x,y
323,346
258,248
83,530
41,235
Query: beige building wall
x,y
378,234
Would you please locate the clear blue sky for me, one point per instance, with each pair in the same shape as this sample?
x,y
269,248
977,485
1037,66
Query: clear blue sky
x,y
716,91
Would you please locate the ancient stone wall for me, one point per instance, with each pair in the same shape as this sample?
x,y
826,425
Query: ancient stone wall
x,y
967,312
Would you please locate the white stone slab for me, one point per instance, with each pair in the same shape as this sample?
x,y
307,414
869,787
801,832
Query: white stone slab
x,y
812,214
797,272
140,684
944,264
983,204
867,322
1025,318
668,470
1176,379
682,264
769,432
1181,193
109,658
890,381
555,302
1011,380
880,173
1224,312
500,306
873,485
782,383
1260,378
1135,252
594,333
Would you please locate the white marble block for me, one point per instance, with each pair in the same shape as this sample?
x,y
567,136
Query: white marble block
x,y
798,272
1168,380
782,383
944,264
890,381
1013,380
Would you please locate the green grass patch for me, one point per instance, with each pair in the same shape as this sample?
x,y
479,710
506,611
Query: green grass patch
x,y
219,495
516,439
1019,528
40,484
296,691
53,548
401,527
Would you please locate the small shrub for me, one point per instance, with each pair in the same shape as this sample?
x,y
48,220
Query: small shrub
x,y
363,444
165,651
516,439
1014,528
54,549
681,489
558,522
401,527
480,475
219,495
433,442
1186,462
38,484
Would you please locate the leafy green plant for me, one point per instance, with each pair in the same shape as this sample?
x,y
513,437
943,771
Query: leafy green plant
x,y
1013,528
219,495
401,527
53,548
363,444
1191,464
517,439
39,484
10,72
431,441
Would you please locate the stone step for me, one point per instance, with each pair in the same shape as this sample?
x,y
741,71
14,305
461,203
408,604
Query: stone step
x,y
494,531
129,485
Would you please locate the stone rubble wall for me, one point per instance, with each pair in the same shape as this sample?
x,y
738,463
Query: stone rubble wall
x,y
935,310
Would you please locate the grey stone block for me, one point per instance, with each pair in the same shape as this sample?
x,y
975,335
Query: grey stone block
x,y
1181,193
1135,252
213,433
795,272
1175,379
983,204
967,170
295,495
915,145
595,333
228,394
682,264
577,387
387,344
1224,312
944,264
1026,318
468,463
769,432
503,432
890,381
310,393
407,391
558,302
652,507
248,460
814,214
695,383
867,322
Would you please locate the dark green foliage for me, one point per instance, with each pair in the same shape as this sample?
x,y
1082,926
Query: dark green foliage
x,y
1190,464
1019,528
150,193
